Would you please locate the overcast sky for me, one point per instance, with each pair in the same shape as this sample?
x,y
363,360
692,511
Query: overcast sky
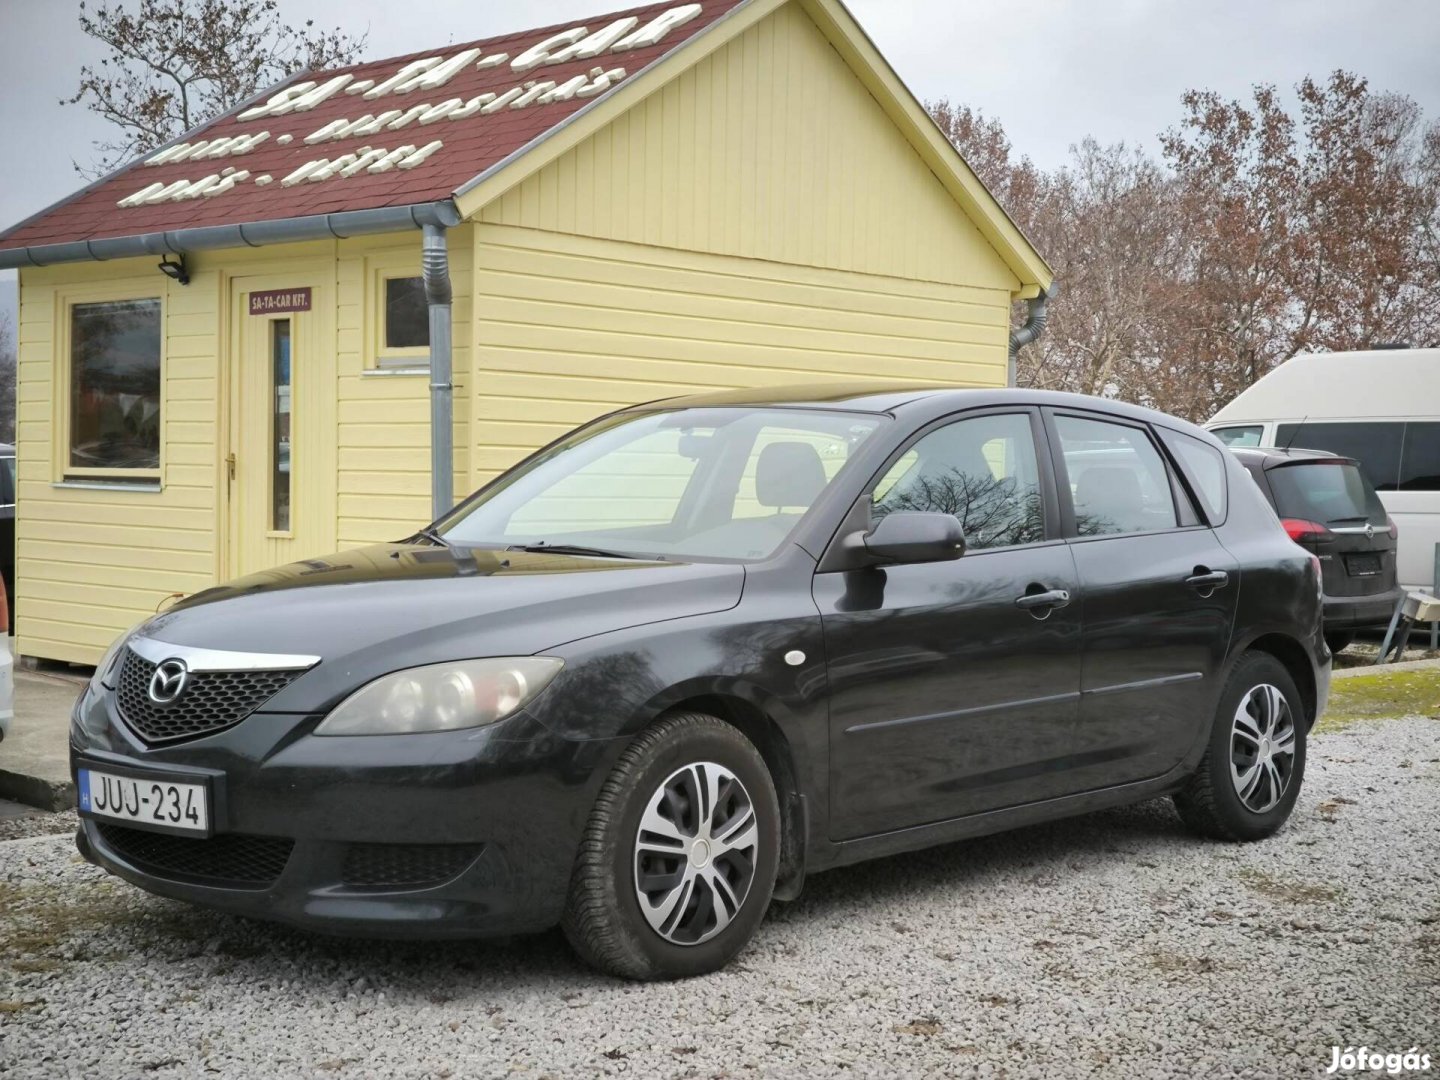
x,y
1052,70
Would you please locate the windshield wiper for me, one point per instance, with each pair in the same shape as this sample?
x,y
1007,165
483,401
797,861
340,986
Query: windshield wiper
x,y
575,549
433,536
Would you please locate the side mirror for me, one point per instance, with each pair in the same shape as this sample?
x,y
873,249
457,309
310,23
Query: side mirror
x,y
912,536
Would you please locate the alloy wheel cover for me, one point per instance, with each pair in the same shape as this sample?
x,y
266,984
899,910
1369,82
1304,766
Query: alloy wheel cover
x,y
1262,748
695,853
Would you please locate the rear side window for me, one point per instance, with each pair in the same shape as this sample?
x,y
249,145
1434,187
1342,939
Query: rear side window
x,y
1240,436
1332,493
1205,466
1420,462
1375,445
1118,481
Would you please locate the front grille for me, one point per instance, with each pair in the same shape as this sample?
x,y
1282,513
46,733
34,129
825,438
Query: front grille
x,y
222,859
211,701
412,865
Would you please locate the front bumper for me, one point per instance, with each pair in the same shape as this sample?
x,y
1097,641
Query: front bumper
x,y
456,834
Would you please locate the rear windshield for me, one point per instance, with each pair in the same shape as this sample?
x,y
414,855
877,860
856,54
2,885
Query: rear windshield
x,y
1332,493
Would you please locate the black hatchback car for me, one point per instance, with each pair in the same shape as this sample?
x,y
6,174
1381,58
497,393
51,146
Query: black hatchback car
x,y
648,679
1328,506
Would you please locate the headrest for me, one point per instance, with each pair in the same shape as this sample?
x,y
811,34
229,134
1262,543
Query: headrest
x,y
789,474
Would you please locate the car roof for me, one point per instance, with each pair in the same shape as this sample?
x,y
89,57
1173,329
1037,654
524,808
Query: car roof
x,y
1269,457
882,397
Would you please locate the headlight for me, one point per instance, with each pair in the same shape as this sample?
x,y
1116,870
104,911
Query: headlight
x,y
442,697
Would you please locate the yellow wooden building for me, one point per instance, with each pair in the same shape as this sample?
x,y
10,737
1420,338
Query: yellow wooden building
x,y
654,202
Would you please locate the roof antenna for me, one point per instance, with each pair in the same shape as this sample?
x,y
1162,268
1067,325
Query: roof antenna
x,y
1296,433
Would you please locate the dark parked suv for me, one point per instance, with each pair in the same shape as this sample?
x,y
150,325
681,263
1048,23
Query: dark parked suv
x,y
1327,506
648,679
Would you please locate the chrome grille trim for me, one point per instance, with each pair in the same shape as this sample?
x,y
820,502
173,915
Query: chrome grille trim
x,y
198,659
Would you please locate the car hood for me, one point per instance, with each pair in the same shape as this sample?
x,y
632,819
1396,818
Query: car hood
x,y
378,609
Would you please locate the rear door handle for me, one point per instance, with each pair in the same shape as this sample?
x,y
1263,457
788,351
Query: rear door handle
x,y
1208,579
1054,598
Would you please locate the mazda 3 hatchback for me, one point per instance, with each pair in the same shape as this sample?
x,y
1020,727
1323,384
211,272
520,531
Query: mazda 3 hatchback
x,y
644,682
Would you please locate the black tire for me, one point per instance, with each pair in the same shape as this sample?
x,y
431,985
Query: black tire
x,y
1210,803
1339,640
603,918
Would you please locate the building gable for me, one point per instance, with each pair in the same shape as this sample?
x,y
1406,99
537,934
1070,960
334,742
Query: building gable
x,y
768,148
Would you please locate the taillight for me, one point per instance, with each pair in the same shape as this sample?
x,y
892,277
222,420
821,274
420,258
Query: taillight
x,y
1390,527
1300,530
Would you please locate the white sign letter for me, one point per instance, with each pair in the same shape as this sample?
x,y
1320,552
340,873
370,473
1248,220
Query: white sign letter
x,y
539,53
656,29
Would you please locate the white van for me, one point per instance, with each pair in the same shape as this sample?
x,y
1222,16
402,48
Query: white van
x,y
1381,408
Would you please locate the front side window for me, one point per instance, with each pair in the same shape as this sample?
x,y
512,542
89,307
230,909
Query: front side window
x,y
723,483
1374,444
982,470
1248,435
115,385
1118,481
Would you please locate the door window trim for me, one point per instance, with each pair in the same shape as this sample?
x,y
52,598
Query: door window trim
x,y
1067,505
835,557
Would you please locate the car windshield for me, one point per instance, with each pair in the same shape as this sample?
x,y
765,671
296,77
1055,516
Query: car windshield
x,y
1328,491
719,483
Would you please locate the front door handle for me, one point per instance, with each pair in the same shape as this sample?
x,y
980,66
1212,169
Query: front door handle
x,y
1051,598
1207,581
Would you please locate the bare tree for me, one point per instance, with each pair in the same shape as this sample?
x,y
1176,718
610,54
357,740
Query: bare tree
x,y
173,64
1259,235
7,379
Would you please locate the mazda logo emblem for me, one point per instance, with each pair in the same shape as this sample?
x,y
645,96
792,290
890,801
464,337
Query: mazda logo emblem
x,y
1369,531
168,682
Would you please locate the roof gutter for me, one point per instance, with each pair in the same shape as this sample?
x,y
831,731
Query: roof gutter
x,y
249,234
1038,311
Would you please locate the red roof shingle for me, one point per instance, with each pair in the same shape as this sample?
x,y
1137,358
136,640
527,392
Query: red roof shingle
x,y
470,145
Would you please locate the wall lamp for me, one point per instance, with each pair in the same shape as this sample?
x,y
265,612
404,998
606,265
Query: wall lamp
x,y
175,269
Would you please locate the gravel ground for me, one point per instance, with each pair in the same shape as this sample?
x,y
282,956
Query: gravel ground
x,y
1112,944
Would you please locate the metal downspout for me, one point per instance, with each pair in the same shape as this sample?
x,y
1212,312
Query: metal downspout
x,y
435,268
1037,316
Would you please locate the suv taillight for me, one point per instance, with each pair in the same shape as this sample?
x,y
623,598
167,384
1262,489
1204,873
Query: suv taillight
x,y
1390,527
1300,530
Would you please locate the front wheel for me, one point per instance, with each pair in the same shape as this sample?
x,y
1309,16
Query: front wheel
x,y
1250,776
679,858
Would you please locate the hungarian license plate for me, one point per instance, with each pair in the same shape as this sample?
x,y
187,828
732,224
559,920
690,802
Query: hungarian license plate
x,y
155,801
1362,565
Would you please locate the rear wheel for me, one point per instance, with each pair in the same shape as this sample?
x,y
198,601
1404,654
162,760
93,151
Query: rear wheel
x,y
679,858
1338,640
1250,776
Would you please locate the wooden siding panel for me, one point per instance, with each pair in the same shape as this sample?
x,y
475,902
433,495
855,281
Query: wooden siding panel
x,y
770,148
568,328
91,563
383,420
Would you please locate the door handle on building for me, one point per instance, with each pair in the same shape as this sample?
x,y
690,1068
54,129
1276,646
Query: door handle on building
x,y
230,466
